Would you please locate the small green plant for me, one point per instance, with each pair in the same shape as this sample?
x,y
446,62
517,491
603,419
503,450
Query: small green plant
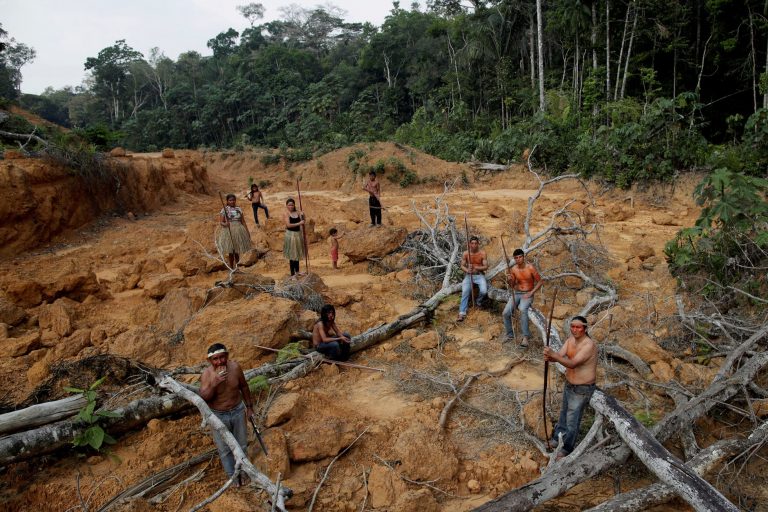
x,y
646,417
356,159
258,383
288,352
94,436
264,183
298,155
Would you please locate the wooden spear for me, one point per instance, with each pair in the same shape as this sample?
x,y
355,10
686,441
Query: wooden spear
x,y
469,262
329,361
303,230
546,368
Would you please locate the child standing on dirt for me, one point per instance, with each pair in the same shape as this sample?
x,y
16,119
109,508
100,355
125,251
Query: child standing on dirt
x,y
333,240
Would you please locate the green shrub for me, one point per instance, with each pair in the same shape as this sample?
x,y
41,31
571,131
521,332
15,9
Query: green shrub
x,y
642,145
298,155
258,383
356,159
729,243
270,159
288,352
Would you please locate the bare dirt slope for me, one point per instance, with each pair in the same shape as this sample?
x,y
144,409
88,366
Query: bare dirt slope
x,y
134,286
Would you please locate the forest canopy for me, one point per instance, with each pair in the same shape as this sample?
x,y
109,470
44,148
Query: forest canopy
x,y
622,90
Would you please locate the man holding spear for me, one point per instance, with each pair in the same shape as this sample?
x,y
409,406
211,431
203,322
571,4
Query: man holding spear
x,y
524,280
474,263
579,356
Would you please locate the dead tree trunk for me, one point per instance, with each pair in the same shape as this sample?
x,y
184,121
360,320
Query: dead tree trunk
x,y
560,479
686,483
32,443
659,493
241,459
41,414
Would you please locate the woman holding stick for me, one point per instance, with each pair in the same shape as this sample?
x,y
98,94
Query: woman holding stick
x,y
233,238
293,244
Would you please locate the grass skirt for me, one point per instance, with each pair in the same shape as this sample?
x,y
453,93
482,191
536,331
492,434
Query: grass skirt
x,y
293,245
224,242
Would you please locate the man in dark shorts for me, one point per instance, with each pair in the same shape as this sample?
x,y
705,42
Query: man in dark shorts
x,y
374,199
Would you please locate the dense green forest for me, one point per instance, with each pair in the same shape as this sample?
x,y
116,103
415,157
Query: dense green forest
x,y
624,91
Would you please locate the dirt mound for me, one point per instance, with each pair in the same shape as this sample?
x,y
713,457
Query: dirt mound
x,y
43,200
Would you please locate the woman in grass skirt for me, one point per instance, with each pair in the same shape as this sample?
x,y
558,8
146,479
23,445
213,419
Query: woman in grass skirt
x,y
293,244
233,238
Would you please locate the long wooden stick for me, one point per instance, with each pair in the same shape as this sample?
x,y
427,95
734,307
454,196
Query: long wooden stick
x,y
469,262
303,230
546,368
506,261
329,361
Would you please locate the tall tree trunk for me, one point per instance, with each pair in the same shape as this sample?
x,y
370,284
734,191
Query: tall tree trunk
x,y
532,55
698,29
608,50
629,51
621,53
753,57
593,38
765,94
540,52
674,66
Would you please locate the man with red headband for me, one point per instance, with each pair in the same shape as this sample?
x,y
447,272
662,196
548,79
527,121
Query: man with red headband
x,y
225,390
579,356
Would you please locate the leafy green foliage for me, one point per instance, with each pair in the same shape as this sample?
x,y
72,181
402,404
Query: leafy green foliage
x,y
356,160
642,144
93,436
270,158
446,80
728,245
258,383
288,352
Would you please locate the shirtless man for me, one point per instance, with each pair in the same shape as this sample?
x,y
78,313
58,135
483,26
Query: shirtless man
x,y
579,356
524,280
474,262
224,388
374,199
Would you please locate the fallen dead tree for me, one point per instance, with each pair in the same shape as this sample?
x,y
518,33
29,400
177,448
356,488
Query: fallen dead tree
x,y
33,443
705,461
241,459
686,483
594,462
41,414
